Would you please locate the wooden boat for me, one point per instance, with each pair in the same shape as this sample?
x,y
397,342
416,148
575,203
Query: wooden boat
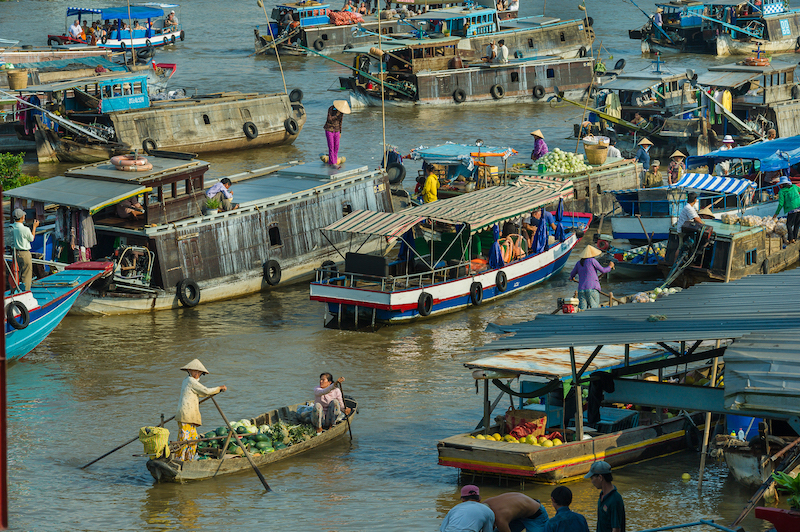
x,y
443,269
32,315
175,253
637,263
174,470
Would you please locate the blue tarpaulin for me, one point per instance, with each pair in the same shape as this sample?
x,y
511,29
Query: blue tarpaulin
x,y
559,232
774,155
112,13
406,245
712,183
540,239
495,255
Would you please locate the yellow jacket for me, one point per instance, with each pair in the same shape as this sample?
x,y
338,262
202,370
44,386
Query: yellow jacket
x,y
430,190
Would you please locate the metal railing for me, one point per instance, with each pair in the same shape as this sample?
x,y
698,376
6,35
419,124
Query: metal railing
x,y
391,283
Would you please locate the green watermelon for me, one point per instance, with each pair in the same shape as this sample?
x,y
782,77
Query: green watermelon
x,y
222,431
263,445
241,430
279,446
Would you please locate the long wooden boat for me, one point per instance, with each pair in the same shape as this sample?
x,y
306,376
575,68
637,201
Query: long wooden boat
x,y
174,470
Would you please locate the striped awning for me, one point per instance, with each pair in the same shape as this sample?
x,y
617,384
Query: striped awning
x,y
712,183
388,224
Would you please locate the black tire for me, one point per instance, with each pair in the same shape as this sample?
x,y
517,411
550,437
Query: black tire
x,y
319,45
149,145
501,281
330,266
797,42
497,91
147,52
296,96
172,39
619,65
518,54
396,172
425,304
291,125
52,40
476,293
796,92
582,51
188,292
272,272
104,39
590,21
250,130
459,95
147,43
123,45
166,41
183,35
21,321
348,46
538,92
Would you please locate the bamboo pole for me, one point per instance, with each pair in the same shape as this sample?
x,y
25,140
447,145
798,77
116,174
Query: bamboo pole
x,y
707,427
239,442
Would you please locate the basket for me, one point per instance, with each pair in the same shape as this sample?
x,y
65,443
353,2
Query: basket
x,y
596,154
17,79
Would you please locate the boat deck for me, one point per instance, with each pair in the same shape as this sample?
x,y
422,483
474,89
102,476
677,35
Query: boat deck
x,y
290,181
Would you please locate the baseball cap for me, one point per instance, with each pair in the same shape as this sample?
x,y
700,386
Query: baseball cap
x,y
598,468
470,489
19,214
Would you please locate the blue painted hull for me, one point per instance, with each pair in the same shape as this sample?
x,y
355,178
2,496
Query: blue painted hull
x,y
42,322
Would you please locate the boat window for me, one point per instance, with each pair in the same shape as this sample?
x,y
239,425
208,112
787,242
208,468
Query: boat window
x,y
551,73
391,30
137,87
530,43
783,78
107,91
750,257
561,36
439,51
245,113
206,120
117,90
127,89
418,53
515,77
275,236
673,86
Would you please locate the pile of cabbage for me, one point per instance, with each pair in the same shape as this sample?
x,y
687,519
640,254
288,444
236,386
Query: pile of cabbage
x,y
774,228
651,296
563,162
641,256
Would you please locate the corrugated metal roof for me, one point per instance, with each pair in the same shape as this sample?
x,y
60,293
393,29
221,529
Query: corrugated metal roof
x,y
90,195
726,78
709,311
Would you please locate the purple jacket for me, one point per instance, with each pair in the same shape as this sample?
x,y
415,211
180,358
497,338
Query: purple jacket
x,y
588,274
539,149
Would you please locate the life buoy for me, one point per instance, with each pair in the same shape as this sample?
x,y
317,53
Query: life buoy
x,y
506,249
619,65
123,45
296,96
459,95
538,92
291,125
497,91
272,272
250,130
21,321
188,292
501,281
425,304
476,293
172,39
142,168
182,35
148,145
582,51
319,45
396,173
330,270
125,160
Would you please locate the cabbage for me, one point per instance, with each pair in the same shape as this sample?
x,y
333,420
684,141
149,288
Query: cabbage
x,y
244,422
251,429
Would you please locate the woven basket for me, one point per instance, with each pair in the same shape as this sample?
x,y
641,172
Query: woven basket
x,y
596,154
17,79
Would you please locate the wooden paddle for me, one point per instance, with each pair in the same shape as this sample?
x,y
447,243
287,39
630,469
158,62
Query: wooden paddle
x,y
239,442
347,417
112,451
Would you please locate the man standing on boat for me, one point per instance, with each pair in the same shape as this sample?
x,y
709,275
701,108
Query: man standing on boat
x,y
221,192
470,515
565,519
643,156
652,178
22,247
539,145
430,191
516,511
188,416
610,508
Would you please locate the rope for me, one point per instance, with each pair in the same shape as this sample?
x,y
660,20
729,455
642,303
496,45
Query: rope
x,y
277,54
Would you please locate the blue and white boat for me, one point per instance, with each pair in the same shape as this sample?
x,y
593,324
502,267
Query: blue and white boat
x,y
32,315
454,260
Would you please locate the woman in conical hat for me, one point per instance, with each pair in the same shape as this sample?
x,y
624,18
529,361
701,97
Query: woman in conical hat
x,y
188,416
589,283
333,129
539,145
677,167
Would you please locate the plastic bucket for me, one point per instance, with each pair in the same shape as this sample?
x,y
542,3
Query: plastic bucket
x,y
17,79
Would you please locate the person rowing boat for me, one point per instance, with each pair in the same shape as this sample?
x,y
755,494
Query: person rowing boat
x,y
188,416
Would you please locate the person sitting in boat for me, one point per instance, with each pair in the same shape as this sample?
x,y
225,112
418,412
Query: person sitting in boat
x,y
643,155
517,511
639,120
587,269
130,208
532,223
677,167
502,52
188,416
491,53
75,30
171,22
137,26
222,193
430,190
613,151
539,145
328,402
362,9
689,220
653,178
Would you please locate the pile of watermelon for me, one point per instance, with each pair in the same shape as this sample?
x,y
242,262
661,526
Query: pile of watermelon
x,y
257,440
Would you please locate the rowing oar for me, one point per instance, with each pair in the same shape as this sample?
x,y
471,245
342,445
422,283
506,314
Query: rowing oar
x,y
346,416
239,442
130,441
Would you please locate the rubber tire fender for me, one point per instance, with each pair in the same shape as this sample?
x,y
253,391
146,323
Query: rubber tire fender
x,y
501,281
401,173
272,272
250,130
459,95
188,292
476,293
348,46
765,266
291,125
166,41
148,145
538,92
425,304
497,91
172,40
331,266
183,35
145,53
797,42
796,90
296,96
582,51
619,65
51,40
123,45
590,21
319,44
24,315
104,39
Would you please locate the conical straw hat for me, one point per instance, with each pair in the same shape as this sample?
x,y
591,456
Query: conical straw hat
x,y
538,133
342,106
645,142
196,365
677,154
590,252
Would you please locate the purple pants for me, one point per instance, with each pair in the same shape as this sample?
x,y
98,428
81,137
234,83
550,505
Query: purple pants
x,y
333,146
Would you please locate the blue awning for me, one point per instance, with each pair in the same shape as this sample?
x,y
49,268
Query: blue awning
x,y
777,154
111,13
458,153
712,183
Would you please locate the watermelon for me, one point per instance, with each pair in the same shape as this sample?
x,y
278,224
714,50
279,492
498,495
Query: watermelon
x,y
222,431
241,430
279,446
263,445
210,434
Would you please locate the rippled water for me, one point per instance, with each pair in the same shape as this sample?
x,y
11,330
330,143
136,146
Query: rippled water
x,y
95,381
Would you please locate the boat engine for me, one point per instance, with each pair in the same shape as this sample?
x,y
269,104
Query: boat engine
x,y
133,266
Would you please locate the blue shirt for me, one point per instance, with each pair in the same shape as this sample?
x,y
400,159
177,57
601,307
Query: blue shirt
x,y
566,520
219,187
469,516
547,218
643,157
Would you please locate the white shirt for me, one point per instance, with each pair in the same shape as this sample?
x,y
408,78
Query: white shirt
x,y
22,236
75,31
503,55
491,51
189,404
514,6
688,213
613,151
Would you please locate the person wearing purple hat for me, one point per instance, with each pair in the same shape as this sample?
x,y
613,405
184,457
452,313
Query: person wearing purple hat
x,y
789,201
470,515
610,508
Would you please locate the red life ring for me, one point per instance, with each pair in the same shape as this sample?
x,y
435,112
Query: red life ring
x,y
126,160
603,245
135,168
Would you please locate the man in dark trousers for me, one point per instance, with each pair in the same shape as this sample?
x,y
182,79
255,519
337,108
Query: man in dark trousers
x,y
610,508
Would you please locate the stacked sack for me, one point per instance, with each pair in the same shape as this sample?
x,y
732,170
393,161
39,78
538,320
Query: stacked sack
x,y
774,228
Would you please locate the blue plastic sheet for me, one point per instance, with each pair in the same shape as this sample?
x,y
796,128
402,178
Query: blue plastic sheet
x,y
559,234
406,245
539,243
495,255
774,155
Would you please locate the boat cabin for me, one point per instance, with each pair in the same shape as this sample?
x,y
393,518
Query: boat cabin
x,y
458,21
753,85
681,15
104,93
409,56
648,93
760,22
150,16
306,13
